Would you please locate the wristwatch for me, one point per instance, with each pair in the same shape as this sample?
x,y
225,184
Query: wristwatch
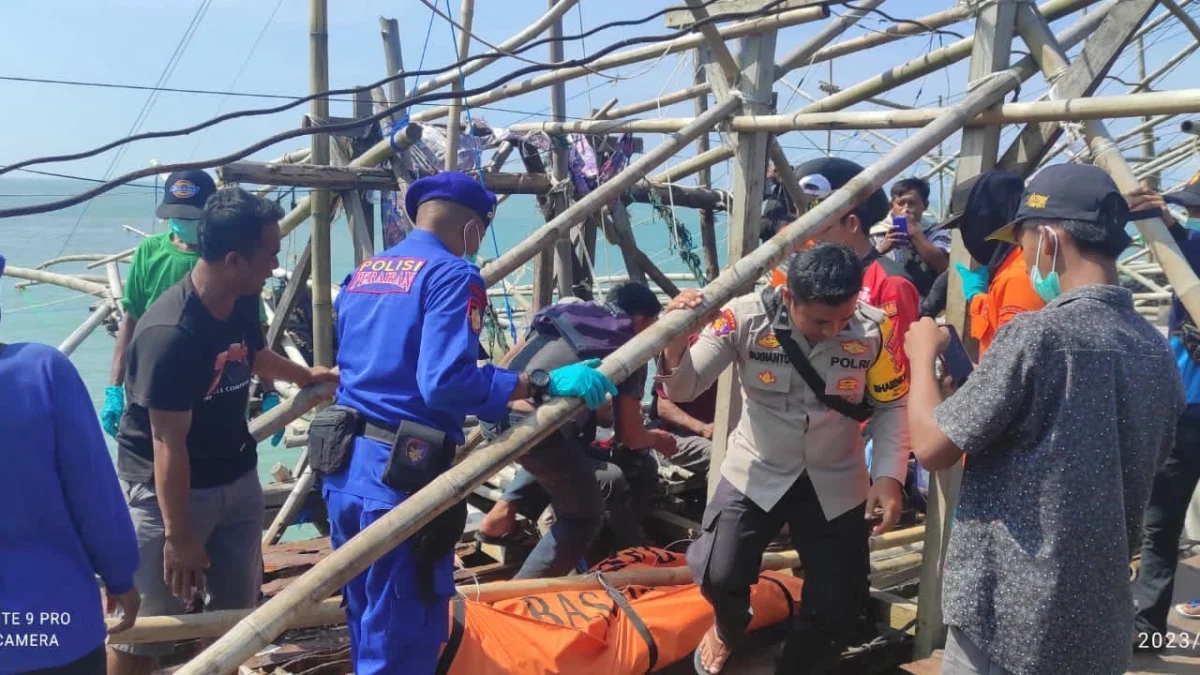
x,y
539,384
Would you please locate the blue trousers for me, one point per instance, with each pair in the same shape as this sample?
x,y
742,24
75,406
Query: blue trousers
x,y
392,630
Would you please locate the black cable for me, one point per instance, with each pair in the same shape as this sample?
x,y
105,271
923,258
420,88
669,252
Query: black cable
x,y
355,90
329,128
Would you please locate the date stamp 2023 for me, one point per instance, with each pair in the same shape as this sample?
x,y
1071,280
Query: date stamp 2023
x,y
1168,640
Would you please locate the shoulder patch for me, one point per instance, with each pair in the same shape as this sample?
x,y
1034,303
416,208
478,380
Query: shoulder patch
x,y
887,378
724,324
889,308
386,275
476,301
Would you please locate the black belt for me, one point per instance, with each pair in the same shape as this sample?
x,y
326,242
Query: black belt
x,y
387,436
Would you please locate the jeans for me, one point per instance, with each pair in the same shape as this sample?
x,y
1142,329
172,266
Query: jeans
x,y
561,473
1165,515
964,657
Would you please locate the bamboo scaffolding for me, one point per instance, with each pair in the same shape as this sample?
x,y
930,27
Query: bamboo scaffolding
x,y
81,333
265,623
804,55
1176,102
946,56
1052,57
53,278
503,49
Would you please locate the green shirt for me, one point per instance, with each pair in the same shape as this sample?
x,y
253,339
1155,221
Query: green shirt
x,y
156,266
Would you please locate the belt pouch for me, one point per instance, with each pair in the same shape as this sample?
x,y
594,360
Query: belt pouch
x,y
419,454
330,437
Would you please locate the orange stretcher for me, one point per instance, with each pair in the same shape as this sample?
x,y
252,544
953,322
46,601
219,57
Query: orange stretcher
x,y
636,629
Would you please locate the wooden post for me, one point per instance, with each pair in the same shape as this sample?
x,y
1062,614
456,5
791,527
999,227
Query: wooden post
x,y
754,72
1148,134
321,275
990,53
465,19
363,107
708,219
393,58
559,160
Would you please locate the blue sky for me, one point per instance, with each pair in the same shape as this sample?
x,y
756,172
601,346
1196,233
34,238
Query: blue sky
x,y
128,42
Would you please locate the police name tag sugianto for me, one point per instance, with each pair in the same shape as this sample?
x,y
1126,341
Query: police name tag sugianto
x,y
386,275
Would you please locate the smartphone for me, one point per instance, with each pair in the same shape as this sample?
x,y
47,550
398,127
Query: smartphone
x,y
955,358
900,223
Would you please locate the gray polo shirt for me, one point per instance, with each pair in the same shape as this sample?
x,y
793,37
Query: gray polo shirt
x,y
1064,423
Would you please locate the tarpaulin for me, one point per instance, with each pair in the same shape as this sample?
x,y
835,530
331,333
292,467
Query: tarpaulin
x,y
636,629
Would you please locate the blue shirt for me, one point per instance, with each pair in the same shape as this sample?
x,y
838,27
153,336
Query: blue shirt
x,y
64,517
408,323
1189,369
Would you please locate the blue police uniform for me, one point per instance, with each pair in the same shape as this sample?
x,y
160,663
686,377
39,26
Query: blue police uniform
x,y
408,323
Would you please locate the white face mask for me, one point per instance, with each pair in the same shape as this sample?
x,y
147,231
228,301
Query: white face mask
x,y
471,224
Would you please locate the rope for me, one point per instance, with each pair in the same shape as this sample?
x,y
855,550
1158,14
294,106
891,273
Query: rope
x,y
493,319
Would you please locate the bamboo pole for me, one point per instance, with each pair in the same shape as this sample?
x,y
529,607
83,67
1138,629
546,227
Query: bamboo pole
x,y
1177,102
559,159
393,59
63,259
656,103
290,409
700,163
85,329
805,54
322,304
960,12
708,222
265,623
453,129
116,257
580,210
1051,56
53,278
533,30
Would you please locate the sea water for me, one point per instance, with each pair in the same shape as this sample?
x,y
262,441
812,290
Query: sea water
x,y
49,314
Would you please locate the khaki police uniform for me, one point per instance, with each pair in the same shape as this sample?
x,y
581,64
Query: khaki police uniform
x,y
792,459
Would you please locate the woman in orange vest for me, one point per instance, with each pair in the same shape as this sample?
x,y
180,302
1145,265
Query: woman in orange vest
x,y
1000,289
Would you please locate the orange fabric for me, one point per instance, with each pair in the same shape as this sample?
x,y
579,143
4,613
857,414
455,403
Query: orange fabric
x,y
1009,294
586,632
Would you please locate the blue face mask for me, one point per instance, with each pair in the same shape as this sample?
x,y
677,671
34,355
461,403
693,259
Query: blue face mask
x,y
1046,287
187,231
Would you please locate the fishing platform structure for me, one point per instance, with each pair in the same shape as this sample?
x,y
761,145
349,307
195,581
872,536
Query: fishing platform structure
x,y
732,92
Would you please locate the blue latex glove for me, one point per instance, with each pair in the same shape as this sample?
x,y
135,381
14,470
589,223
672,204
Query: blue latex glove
x,y
582,380
973,283
114,407
270,400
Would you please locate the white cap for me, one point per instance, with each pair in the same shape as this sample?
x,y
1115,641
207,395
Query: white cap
x,y
816,185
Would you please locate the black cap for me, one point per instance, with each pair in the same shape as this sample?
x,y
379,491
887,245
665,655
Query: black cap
x,y
983,204
1188,196
839,172
184,195
1082,193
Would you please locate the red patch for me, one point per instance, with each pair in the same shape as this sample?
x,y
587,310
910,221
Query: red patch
x,y
386,275
767,377
476,301
889,308
724,324
847,384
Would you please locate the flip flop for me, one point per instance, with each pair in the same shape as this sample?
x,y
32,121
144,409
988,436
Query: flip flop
x,y
1193,605
698,662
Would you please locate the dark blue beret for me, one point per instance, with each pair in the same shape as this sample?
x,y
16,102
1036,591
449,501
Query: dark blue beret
x,y
455,187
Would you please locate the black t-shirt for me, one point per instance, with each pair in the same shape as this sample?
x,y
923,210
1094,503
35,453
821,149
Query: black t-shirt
x,y
182,358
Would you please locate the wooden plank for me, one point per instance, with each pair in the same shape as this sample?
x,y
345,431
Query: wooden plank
x,y
1080,80
287,301
708,221
683,18
991,52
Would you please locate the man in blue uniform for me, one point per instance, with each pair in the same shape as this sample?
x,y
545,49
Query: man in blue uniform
x,y
408,323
